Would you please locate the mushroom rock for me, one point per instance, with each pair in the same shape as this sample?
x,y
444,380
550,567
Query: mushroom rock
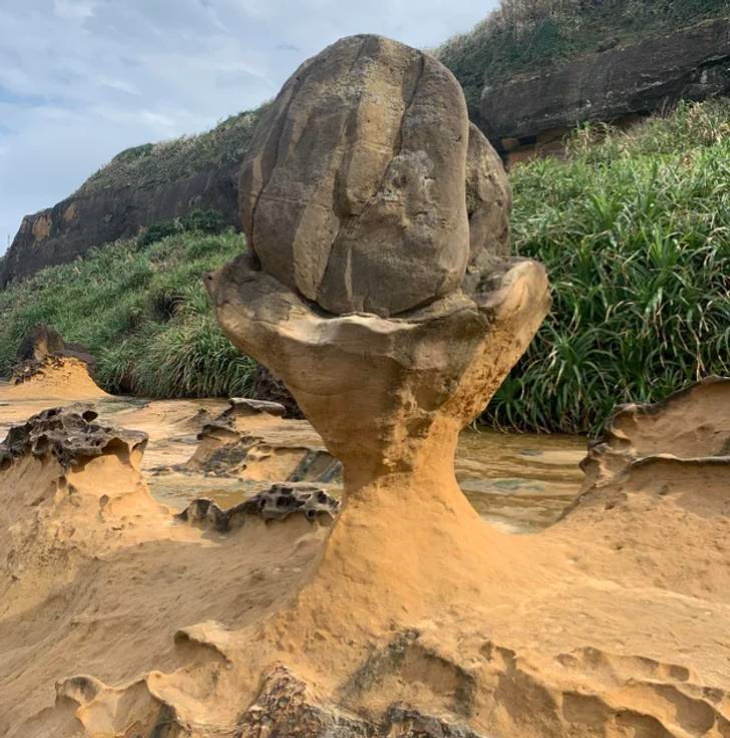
x,y
355,294
356,176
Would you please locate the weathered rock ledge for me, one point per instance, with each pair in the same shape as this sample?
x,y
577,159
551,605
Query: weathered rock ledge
x,y
531,113
70,435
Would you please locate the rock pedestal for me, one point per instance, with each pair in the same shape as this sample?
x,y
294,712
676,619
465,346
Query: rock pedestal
x,y
388,396
379,285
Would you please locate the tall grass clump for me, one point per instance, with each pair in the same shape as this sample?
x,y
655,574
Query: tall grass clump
x,y
525,35
634,229
142,311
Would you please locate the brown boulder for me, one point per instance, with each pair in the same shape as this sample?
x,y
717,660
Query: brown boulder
x,y
488,204
356,179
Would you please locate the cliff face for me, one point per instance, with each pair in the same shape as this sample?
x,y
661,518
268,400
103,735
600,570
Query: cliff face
x,y
139,187
59,234
532,113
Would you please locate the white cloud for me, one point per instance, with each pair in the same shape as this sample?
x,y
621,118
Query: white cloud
x,y
93,77
74,9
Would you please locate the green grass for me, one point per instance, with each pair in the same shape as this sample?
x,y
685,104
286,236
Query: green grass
x,y
142,311
635,232
528,35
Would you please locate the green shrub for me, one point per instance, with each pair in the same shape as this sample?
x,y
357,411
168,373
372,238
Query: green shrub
x,y
143,313
203,221
635,233
157,231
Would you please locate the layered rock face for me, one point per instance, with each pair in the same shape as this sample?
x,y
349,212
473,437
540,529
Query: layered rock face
x,y
85,220
532,113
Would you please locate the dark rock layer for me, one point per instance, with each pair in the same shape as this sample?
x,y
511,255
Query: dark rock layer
x,y
635,79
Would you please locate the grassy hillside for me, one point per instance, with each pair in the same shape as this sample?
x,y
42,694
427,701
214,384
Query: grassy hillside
x,y
634,229
525,35
635,233
143,312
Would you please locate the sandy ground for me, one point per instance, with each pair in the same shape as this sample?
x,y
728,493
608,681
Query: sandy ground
x,y
118,620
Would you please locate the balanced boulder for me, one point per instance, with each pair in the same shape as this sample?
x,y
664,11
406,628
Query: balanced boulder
x,y
357,178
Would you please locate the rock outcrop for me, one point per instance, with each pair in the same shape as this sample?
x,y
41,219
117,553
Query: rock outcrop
x,y
52,378
276,503
99,216
242,442
533,112
42,342
686,433
71,437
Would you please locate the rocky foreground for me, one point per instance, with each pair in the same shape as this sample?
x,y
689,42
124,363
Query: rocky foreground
x,y
379,288
120,616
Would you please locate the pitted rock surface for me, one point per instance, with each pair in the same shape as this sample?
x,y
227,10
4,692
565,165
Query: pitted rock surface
x,y
276,503
69,434
354,191
284,707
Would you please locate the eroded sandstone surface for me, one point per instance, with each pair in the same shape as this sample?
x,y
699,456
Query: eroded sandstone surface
x,y
392,608
117,619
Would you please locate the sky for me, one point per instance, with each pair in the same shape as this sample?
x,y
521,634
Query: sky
x,y
81,80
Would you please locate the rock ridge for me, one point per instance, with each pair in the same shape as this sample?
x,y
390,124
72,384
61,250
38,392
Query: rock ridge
x,y
531,113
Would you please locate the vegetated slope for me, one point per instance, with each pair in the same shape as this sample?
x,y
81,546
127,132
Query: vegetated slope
x,y
143,312
529,35
140,186
635,233
634,230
